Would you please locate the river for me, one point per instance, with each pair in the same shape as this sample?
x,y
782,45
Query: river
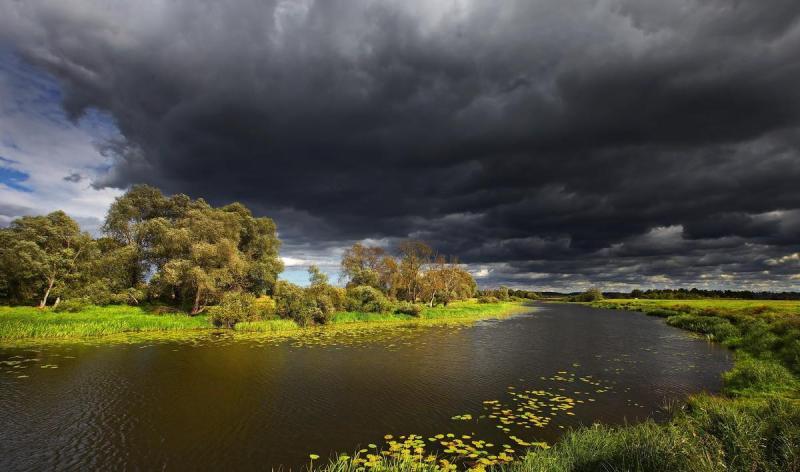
x,y
220,402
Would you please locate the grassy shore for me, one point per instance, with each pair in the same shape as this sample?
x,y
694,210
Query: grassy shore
x,y
31,323
754,425
22,323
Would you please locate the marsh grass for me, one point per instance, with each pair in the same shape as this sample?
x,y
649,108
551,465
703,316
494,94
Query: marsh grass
x,y
21,323
267,326
25,322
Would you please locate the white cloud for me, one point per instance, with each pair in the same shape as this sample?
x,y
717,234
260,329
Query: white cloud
x,y
38,141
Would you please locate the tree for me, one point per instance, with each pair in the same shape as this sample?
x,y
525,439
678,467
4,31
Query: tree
x,y
128,222
42,256
414,255
316,277
194,252
360,265
446,281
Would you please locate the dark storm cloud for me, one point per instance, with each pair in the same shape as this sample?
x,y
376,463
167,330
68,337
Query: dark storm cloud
x,y
547,143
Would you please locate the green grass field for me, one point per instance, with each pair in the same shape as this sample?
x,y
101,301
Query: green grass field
x,y
20,323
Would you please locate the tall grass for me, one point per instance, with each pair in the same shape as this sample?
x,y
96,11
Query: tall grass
x,y
25,322
267,326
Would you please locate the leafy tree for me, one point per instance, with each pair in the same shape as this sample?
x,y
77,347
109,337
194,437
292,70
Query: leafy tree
x,y
446,281
193,251
128,222
414,255
42,256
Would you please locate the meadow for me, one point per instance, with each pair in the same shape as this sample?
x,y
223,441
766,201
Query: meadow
x,y
20,323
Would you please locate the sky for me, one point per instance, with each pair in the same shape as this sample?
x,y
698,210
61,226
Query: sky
x,y
551,144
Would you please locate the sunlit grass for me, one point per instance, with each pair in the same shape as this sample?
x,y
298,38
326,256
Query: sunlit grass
x,y
27,322
266,326
17,323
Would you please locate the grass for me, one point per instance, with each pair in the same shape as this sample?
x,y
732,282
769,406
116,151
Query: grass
x,y
764,329
27,323
753,426
266,326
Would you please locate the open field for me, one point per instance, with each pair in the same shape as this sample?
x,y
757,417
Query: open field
x,y
18,323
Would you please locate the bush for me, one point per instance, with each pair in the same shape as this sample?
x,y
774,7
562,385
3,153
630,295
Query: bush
x,y
759,375
304,306
234,307
592,295
718,329
72,305
408,308
488,299
265,307
367,299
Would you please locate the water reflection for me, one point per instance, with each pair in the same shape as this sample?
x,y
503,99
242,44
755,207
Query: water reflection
x,y
243,404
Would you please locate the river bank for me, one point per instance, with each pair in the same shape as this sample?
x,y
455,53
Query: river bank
x,y
31,324
753,425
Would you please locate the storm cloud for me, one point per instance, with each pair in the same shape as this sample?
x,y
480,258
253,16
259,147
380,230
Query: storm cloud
x,y
549,144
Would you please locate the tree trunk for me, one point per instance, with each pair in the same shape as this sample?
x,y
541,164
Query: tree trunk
x,y
196,307
58,300
43,303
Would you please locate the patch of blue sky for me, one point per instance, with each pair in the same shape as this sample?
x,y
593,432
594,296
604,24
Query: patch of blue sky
x,y
40,94
13,178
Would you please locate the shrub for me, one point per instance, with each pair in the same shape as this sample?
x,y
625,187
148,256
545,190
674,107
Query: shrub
x,y
759,375
72,305
488,299
265,307
592,295
661,313
304,306
408,308
234,307
367,299
718,329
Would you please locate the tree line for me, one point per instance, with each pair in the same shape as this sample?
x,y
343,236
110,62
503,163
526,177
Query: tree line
x,y
180,253
696,293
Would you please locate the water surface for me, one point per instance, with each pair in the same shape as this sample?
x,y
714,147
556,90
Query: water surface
x,y
218,402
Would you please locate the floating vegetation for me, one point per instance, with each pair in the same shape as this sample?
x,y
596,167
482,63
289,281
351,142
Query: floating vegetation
x,y
524,408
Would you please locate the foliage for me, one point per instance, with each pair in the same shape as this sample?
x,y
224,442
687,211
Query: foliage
x,y
591,295
368,299
488,299
42,257
407,308
72,305
305,306
27,322
235,307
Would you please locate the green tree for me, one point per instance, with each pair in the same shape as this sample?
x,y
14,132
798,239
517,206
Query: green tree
x,y
42,256
129,222
414,256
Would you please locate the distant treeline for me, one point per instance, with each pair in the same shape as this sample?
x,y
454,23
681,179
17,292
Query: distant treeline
x,y
185,254
696,293
502,293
